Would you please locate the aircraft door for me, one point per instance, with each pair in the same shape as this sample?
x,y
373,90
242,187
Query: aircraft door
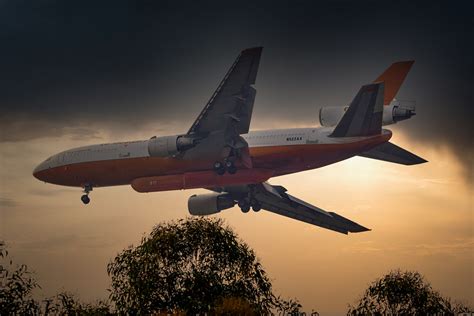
x,y
313,136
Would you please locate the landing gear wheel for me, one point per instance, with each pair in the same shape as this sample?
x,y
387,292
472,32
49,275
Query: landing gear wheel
x,y
256,207
229,165
219,168
244,206
232,170
85,199
245,209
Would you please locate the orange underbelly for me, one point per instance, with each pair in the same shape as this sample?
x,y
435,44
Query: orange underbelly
x,y
276,159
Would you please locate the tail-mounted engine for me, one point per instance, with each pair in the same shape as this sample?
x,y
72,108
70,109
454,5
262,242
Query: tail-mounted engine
x,y
397,111
169,145
211,203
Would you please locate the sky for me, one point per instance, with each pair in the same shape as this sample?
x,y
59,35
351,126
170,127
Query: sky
x,y
81,72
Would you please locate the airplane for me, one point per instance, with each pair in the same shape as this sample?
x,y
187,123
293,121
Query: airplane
x,y
220,154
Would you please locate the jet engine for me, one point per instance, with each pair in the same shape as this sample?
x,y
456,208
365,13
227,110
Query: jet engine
x,y
329,116
396,112
211,203
169,145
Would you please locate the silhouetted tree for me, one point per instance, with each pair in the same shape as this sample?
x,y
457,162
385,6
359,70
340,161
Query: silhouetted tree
x,y
190,265
16,286
66,303
404,293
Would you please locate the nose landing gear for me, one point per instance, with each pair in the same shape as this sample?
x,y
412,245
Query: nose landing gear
x,y
85,198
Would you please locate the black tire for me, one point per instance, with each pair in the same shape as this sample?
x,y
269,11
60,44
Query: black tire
x,y
218,165
256,207
245,209
85,199
232,169
219,168
244,205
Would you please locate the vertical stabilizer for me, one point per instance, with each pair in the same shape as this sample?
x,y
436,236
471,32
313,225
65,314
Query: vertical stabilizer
x,y
364,115
393,78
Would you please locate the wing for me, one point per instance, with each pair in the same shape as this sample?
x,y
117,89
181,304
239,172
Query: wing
x,y
228,113
232,102
275,199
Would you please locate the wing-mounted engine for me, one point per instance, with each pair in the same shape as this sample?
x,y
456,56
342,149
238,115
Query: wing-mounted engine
x,y
169,145
329,116
211,203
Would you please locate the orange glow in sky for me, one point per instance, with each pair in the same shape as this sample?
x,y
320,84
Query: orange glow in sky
x,y
421,219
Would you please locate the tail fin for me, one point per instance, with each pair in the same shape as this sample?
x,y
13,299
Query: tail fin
x,y
393,77
364,115
392,153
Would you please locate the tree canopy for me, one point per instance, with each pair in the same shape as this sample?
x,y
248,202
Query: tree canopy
x,y
189,265
403,293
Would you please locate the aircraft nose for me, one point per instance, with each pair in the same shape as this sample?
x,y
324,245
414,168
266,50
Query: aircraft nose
x,y
38,170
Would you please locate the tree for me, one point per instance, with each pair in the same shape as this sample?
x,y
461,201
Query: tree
x,y
66,303
404,293
16,286
193,266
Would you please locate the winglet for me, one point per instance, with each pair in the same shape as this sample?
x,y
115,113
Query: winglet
x,y
393,77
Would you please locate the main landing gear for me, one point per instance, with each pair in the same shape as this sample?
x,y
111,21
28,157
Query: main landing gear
x,y
85,198
245,205
221,167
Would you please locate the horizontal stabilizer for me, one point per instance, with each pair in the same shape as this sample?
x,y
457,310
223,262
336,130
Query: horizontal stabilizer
x,y
392,153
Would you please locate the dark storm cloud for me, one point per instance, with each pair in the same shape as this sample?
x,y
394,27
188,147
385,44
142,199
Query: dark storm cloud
x,y
66,64
25,127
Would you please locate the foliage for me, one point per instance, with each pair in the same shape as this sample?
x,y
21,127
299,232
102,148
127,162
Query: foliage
x,y
290,307
404,293
190,265
66,303
234,306
16,286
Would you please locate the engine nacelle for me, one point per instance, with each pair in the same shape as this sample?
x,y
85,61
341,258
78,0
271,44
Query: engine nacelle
x,y
211,203
169,145
396,112
329,116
